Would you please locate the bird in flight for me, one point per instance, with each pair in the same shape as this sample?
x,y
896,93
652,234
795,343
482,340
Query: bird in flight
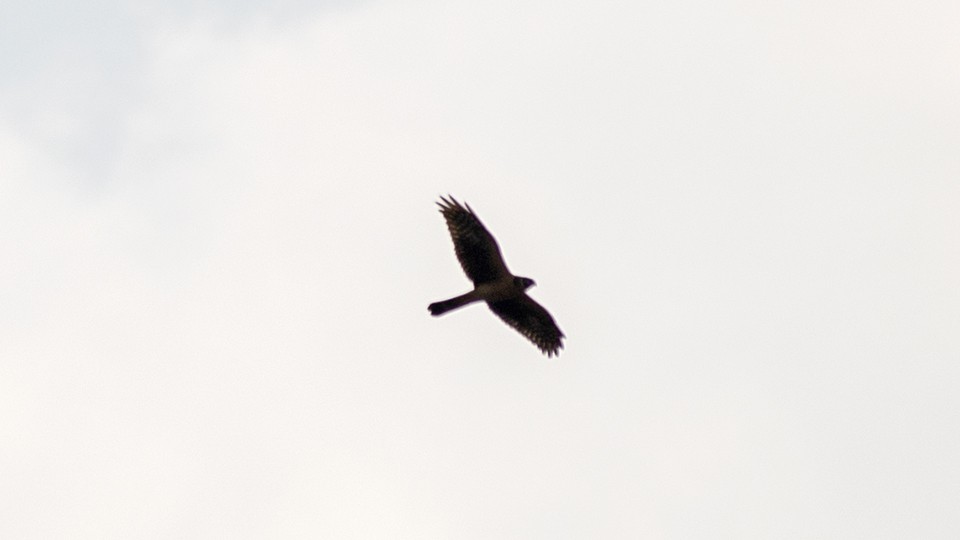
x,y
505,293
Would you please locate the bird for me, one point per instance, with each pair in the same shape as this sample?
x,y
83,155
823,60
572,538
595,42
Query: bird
x,y
504,293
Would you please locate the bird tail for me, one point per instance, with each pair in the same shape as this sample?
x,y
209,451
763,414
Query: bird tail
x,y
439,308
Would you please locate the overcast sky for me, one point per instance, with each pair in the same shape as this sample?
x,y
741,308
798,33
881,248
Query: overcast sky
x,y
219,240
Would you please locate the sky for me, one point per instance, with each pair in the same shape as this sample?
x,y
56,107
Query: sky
x,y
220,239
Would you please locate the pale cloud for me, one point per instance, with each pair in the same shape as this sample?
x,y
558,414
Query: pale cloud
x,y
221,243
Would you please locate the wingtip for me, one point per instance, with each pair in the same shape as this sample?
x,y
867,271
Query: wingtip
x,y
553,349
445,201
449,201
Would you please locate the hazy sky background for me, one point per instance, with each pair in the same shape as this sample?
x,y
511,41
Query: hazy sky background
x,y
219,240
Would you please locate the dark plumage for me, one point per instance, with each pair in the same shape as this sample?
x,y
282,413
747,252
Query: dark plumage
x,y
477,250
480,257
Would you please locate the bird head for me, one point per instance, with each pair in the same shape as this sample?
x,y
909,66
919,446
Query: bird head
x,y
524,282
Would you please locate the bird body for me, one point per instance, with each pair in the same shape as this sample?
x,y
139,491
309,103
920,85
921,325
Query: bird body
x,y
489,291
504,293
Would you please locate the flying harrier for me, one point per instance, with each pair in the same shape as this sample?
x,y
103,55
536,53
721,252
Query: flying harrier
x,y
480,258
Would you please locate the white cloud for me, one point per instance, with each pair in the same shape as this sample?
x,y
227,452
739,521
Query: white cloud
x,y
743,217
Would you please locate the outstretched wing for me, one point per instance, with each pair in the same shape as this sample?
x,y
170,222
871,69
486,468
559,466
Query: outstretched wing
x,y
476,249
533,321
